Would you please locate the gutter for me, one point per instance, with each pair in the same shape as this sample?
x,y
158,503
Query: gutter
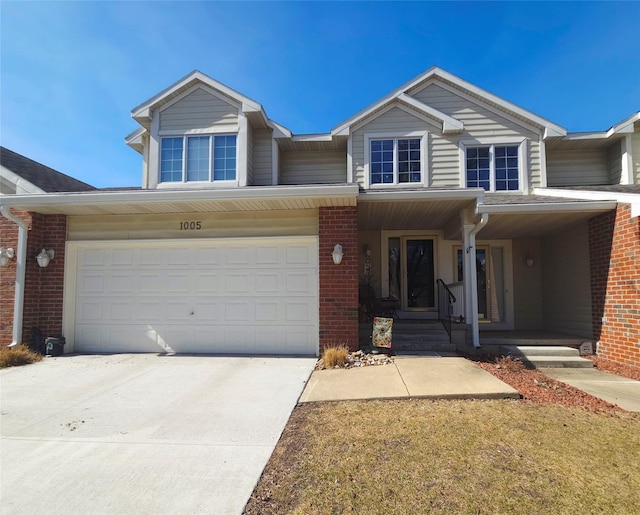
x,y
21,265
184,195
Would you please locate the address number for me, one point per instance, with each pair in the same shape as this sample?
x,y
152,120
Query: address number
x,y
191,226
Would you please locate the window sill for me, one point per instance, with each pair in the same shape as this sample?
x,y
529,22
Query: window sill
x,y
197,185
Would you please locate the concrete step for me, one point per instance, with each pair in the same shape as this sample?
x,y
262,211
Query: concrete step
x,y
556,362
532,350
547,356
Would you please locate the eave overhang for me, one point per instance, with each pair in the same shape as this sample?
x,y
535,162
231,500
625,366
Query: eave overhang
x,y
266,198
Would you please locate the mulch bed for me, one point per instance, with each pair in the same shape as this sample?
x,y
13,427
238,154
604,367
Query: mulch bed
x,y
537,388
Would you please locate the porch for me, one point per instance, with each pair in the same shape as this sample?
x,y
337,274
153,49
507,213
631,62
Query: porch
x,y
410,336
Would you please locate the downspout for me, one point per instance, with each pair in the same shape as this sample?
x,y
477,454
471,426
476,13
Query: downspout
x,y
475,326
21,266
470,256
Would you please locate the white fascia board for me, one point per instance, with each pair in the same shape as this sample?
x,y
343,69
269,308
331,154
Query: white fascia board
x,y
159,196
19,182
551,129
624,198
385,196
625,126
144,110
449,124
279,131
552,207
312,137
135,139
342,129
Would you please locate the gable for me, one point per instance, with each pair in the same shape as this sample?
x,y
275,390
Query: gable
x,y
479,120
199,110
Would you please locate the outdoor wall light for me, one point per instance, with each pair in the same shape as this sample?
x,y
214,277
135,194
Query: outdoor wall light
x,y
528,260
45,257
337,254
367,251
5,256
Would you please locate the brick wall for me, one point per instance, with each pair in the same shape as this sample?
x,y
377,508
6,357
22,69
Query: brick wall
x,y
338,283
43,286
614,243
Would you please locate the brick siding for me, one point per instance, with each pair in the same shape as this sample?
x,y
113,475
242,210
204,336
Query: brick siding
x,y
43,293
614,243
338,283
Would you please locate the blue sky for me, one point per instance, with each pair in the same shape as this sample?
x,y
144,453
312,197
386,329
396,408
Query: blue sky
x,y
70,72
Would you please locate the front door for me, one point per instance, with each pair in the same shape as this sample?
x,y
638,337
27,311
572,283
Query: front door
x,y
412,272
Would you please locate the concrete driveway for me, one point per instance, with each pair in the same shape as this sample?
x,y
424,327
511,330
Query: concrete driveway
x,y
142,433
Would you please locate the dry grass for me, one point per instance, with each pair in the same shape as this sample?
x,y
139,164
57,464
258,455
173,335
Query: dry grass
x,y
510,364
335,355
420,456
16,356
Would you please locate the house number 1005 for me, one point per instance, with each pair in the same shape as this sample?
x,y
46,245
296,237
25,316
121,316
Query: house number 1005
x,y
191,226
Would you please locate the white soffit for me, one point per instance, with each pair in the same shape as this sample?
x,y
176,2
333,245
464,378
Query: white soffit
x,y
181,201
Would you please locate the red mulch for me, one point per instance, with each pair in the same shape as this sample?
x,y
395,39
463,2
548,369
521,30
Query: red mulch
x,y
537,388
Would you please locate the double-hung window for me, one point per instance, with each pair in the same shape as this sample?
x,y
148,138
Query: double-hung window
x,y
395,160
198,158
493,167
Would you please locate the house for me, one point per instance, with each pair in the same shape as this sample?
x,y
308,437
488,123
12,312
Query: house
x,y
246,238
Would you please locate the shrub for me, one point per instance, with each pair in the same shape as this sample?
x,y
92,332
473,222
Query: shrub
x,y
16,356
510,364
335,355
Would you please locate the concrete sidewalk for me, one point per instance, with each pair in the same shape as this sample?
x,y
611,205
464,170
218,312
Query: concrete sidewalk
x,y
612,388
424,377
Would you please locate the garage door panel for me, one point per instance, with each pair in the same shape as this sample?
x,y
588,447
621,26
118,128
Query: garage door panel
x,y
299,311
150,283
99,338
122,257
238,282
212,296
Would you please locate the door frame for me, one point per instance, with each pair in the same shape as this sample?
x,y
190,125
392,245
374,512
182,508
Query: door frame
x,y
507,261
427,313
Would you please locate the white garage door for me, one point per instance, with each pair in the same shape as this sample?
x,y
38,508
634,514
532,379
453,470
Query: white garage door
x,y
247,296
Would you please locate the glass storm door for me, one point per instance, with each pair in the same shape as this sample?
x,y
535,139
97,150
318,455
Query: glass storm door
x,y
419,277
490,282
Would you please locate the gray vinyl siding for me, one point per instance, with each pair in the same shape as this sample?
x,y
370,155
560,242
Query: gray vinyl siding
x,y
444,161
566,282
614,156
479,122
577,168
199,110
310,167
262,158
393,121
249,155
635,157
527,285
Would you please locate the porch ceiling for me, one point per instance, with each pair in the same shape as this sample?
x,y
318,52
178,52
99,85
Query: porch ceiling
x,y
411,214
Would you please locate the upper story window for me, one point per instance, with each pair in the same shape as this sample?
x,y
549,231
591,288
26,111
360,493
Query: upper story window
x,y
493,167
395,160
198,158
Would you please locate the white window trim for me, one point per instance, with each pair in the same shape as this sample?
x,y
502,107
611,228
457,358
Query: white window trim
x,y
422,135
523,174
196,184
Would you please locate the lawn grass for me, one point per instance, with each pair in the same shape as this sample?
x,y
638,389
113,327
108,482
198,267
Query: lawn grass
x,y
421,456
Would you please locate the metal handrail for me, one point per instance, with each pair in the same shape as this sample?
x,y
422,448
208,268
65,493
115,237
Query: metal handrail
x,y
445,302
